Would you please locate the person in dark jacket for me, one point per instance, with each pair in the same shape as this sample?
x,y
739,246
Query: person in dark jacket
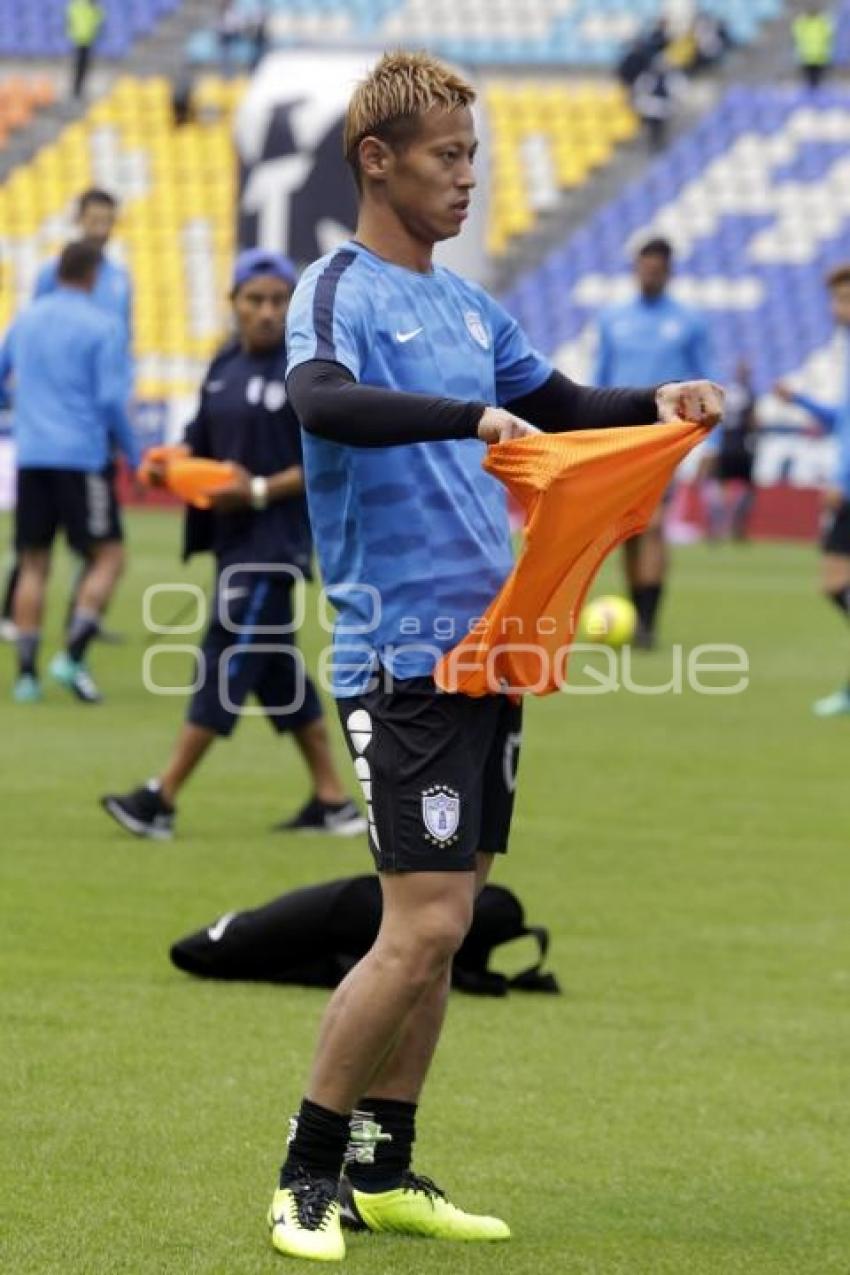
x,y
259,531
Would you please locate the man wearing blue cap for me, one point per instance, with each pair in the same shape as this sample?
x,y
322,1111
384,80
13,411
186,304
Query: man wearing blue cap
x,y
259,531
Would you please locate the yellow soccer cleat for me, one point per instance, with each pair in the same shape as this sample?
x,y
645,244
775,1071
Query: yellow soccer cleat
x,y
304,1220
417,1207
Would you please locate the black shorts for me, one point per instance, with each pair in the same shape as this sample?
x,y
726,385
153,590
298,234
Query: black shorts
x,y
83,505
835,530
249,649
438,773
735,466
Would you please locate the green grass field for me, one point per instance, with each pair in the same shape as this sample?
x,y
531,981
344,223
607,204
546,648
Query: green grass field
x,y
681,1110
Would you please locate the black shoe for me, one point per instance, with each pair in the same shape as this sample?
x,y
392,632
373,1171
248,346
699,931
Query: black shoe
x,y
336,819
142,812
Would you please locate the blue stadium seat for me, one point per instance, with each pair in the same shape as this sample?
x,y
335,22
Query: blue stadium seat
x,y
842,33
36,29
747,251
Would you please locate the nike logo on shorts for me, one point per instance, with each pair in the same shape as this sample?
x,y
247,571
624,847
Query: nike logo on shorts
x,y
404,337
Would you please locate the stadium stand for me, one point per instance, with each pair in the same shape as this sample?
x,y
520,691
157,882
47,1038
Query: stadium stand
x,y
546,139
545,32
177,188
757,201
36,29
20,98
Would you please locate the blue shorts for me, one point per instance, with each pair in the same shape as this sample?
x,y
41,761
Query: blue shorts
x,y
249,649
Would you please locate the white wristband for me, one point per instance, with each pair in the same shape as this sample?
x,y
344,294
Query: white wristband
x,y
259,493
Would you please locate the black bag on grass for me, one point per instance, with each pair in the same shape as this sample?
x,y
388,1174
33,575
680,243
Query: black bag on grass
x,y
314,936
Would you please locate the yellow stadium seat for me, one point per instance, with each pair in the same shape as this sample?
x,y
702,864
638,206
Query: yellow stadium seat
x,y
582,121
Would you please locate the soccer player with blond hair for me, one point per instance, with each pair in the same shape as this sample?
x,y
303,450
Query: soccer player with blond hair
x,y
401,372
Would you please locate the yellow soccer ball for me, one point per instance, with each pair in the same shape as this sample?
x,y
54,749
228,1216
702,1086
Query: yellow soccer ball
x,y
610,621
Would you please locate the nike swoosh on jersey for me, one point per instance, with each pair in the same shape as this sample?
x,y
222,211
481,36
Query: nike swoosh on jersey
x,y
216,931
404,337
213,387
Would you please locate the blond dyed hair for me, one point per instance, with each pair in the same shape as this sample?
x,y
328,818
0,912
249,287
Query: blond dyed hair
x,y
399,89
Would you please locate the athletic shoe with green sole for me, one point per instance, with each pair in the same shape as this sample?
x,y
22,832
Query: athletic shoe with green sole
x,y
27,690
417,1207
75,677
833,705
304,1219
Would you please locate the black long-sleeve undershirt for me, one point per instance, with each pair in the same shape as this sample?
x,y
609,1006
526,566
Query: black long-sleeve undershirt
x,y
332,405
560,405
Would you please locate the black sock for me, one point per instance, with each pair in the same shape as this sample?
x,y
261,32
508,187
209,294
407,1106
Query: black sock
x,y
841,598
317,1143
84,625
647,598
381,1143
27,646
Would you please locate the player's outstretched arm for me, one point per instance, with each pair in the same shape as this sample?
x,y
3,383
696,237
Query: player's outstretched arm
x,y
824,414
332,405
560,405
700,402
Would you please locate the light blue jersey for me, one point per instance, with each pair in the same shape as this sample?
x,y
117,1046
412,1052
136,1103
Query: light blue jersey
x,y
835,420
70,391
413,541
112,293
650,342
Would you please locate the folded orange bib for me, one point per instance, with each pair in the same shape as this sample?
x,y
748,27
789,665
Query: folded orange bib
x,y
193,479
582,493
197,479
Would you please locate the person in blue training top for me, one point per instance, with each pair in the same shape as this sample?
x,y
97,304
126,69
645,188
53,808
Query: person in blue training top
x,y
835,538
400,371
69,414
651,338
259,531
97,212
